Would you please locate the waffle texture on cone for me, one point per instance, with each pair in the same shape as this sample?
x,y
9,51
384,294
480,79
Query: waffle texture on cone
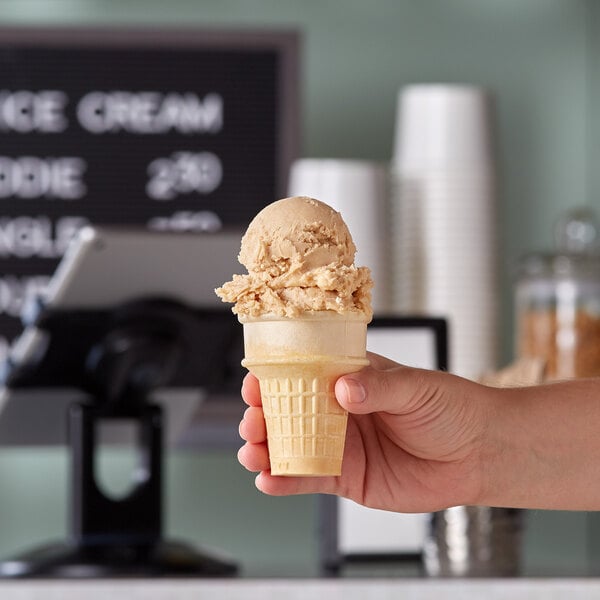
x,y
306,426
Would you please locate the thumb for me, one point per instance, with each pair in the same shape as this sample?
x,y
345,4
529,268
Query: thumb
x,y
396,390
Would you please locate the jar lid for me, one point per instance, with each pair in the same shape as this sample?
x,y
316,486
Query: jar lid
x,y
577,255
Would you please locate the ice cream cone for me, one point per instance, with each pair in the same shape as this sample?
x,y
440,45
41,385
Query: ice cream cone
x,y
297,362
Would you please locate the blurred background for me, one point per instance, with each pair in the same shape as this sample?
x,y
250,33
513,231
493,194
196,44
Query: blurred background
x,y
540,61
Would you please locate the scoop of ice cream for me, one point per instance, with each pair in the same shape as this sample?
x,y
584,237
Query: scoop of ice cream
x,y
296,234
300,258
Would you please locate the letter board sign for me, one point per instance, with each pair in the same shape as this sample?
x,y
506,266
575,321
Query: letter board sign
x,y
170,129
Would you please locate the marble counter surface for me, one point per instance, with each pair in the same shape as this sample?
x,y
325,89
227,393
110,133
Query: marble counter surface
x,y
302,589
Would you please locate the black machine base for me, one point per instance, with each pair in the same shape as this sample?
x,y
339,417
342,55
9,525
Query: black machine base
x,y
164,559
137,349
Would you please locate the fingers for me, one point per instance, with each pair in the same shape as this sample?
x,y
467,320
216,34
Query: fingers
x,y
252,427
254,457
251,390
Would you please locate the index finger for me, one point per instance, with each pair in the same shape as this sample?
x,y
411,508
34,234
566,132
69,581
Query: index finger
x,y
251,390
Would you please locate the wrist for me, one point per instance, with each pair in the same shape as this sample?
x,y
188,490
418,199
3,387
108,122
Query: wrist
x,y
519,466
489,448
494,450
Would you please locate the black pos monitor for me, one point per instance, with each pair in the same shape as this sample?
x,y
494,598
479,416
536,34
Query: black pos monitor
x,y
127,312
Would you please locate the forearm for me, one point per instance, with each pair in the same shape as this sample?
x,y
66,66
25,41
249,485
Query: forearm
x,y
542,447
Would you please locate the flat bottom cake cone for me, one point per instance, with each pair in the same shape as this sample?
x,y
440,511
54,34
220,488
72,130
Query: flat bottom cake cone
x,y
297,362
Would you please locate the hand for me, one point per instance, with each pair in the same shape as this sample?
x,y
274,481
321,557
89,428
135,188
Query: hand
x,y
413,442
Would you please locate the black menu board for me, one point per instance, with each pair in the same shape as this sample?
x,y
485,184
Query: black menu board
x,y
171,129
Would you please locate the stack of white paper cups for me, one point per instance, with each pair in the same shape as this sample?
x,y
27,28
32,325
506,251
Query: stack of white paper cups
x,y
444,217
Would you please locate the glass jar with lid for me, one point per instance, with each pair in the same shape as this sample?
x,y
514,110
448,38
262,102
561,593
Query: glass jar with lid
x,y
558,301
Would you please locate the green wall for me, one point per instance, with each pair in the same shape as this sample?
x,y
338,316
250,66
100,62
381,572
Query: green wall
x,y
539,57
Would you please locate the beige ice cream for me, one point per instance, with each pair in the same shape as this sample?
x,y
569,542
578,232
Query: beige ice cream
x,y
300,257
305,307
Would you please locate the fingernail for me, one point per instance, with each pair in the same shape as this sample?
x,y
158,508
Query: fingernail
x,y
352,391
240,454
241,429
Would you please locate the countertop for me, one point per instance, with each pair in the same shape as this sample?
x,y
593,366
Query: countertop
x,y
301,589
